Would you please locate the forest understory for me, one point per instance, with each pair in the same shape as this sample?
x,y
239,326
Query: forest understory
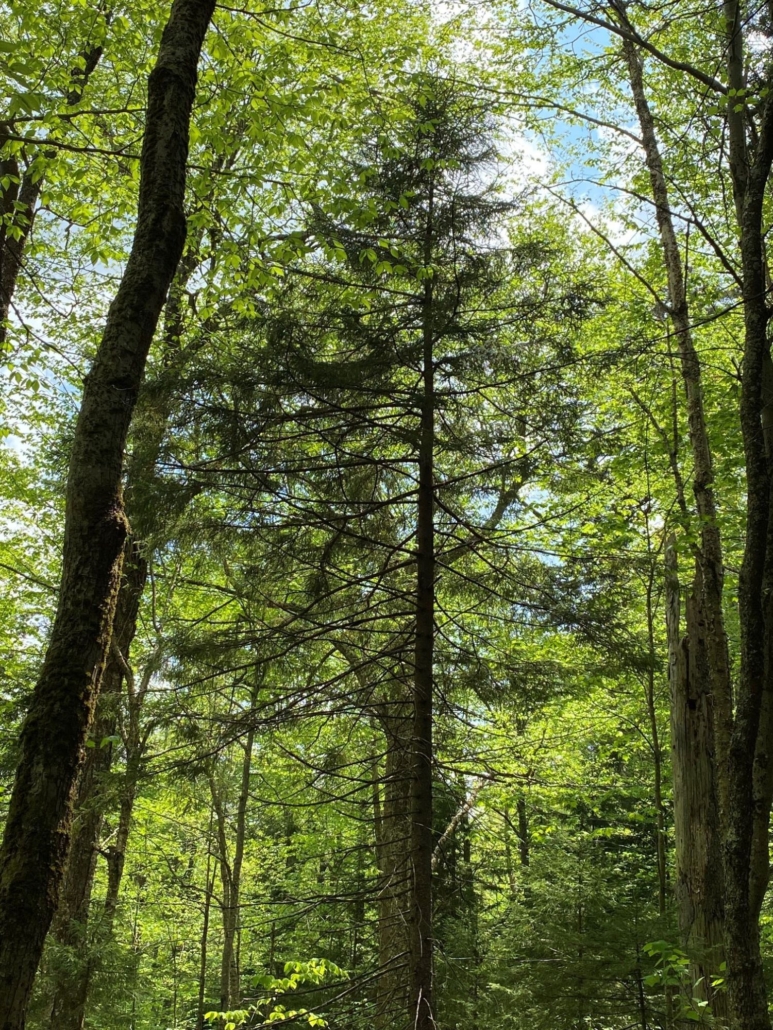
x,y
386,515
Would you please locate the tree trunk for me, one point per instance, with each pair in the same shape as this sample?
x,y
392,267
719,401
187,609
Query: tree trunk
x,y
37,832
748,751
230,990
152,413
393,833
657,753
71,921
420,1005
26,193
700,669
116,856
200,1009
699,881
231,873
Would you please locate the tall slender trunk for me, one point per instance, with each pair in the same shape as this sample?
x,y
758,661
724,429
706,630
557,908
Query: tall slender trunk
x,y
393,835
709,556
657,754
229,975
701,710
231,873
741,748
37,832
229,971
116,855
420,1003
747,760
393,825
200,1009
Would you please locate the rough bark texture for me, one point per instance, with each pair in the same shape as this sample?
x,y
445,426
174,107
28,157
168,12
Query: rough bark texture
x,y
420,1006
70,926
699,880
393,833
748,751
70,991
37,832
701,712
709,558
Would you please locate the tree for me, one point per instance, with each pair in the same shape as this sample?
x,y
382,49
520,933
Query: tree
x,y
731,739
437,493
37,831
323,440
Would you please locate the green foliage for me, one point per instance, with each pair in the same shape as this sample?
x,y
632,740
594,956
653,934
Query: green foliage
x,y
347,162
266,1010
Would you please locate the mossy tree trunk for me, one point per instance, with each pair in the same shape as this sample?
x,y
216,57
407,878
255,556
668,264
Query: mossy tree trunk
x,y
37,832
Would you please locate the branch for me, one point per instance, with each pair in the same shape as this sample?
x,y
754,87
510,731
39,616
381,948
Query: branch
x,y
633,36
450,830
30,578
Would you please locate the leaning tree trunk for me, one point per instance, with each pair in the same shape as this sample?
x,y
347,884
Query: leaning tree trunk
x,y
37,832
18,205
70,988
19,201
70,926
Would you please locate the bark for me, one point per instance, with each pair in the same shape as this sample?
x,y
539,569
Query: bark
x,y
461,818
701,692
38,828
200,1009
709,557
698,880
762,776
71,920
393,831
741,743
657,754
229,975
748,760
231,875
26,192
116,854
420,1004
230,963
523,831
70,1008
70,993
135,739
392,819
